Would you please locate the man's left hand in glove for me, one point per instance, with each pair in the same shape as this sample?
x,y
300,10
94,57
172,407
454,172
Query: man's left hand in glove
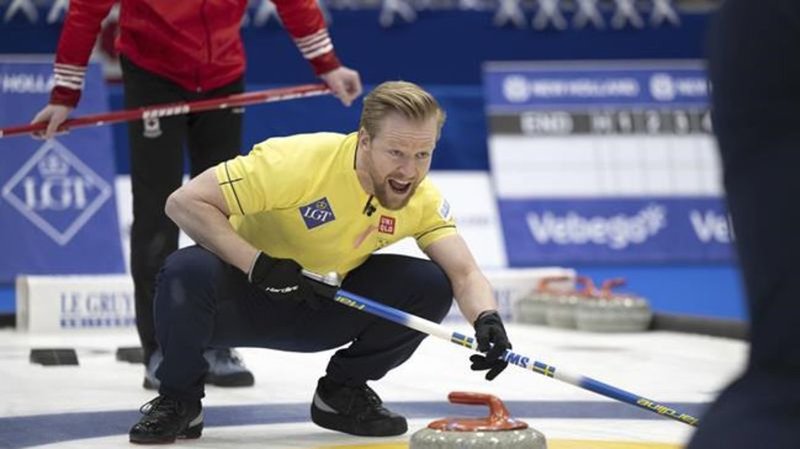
x,y
492,341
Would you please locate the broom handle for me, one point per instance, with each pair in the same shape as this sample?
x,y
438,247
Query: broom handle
x,y
521,361
172,109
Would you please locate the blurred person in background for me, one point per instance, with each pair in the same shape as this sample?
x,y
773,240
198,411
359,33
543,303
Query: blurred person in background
x,y
178,51
755,78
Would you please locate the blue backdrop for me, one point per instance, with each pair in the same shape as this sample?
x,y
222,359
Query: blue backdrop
x,y
443,50
57,208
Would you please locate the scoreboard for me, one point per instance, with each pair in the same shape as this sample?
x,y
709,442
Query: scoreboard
x,y
605,162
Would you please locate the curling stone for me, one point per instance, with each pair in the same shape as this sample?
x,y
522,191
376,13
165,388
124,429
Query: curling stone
x,y
532,308
561,312
613,312
497,430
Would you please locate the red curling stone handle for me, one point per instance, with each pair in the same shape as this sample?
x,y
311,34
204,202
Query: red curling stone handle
x,y
497,420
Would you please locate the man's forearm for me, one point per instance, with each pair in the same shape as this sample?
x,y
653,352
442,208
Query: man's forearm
x,y
474,295
210,228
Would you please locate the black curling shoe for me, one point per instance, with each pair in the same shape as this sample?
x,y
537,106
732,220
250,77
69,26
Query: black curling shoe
x,y
354,410
166,419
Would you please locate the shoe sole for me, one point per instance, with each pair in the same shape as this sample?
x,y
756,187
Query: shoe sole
x,y
192,433
334,421
229,380
242,379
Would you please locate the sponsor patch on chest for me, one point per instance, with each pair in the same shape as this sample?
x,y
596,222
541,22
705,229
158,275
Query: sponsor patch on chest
x,y
386,225
317,213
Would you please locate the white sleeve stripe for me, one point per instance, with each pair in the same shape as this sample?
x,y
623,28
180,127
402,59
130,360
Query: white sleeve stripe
x,y
323,40
69,73
310,50
76,68
316,49
326,49
311,37
68,83
69,79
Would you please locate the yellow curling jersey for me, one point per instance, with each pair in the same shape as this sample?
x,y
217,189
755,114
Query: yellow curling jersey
x,y
299,197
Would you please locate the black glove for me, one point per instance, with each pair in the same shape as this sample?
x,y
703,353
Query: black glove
x,y
493,341
280,278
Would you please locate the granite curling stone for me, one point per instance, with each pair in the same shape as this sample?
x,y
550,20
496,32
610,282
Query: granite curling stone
x,y
497,430
612,312
532,308
561,312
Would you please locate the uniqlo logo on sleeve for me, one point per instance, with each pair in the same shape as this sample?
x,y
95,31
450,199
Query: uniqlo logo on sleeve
x,y
386,225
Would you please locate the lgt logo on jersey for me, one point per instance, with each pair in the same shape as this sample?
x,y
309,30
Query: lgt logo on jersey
x,y
386,225
56,191
317,213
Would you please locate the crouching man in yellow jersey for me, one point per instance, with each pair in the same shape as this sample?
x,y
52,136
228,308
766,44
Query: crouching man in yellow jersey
x,y
324,202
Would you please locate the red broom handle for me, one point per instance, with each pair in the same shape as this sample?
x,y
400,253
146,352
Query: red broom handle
x,y
170,109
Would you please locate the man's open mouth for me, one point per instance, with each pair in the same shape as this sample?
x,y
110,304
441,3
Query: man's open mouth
x,y
399,187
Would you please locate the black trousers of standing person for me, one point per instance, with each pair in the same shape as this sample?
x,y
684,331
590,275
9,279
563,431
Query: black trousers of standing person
x,y
157,161
201,302
755,74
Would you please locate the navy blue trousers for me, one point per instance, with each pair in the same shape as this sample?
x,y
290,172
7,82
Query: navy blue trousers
x,y
755,73
203,302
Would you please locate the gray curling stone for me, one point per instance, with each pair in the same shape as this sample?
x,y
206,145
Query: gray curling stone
x,y
561,312
610,312
497,430
532,308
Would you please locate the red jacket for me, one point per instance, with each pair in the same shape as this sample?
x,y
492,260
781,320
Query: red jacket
x,y
195,43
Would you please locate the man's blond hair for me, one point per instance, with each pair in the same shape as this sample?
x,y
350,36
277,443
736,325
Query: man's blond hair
x,y
401,97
